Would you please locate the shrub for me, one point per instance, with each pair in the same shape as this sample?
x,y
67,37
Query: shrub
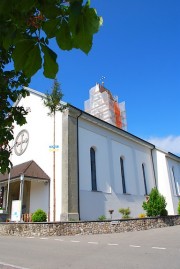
x,y
125,212
39,216
156,204
178,208
141,215
102,217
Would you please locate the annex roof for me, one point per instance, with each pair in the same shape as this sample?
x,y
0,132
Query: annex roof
x,y
30,169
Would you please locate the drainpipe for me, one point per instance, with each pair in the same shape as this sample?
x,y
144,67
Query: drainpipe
x,y
78,162
49,182
153,167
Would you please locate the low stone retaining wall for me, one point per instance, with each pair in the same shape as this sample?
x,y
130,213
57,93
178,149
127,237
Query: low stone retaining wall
x,y
86,227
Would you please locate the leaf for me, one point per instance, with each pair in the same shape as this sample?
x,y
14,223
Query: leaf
x,y
27,57
63,37
50,65
83,25
82,39
92,20
21,53
25,5
33,62
75,1
50,27
7,35
5,6
74,15
50,10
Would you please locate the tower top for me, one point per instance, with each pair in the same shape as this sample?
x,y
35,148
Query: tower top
x,y
103,105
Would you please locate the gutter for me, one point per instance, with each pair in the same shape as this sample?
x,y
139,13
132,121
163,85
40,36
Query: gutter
x,y
114,129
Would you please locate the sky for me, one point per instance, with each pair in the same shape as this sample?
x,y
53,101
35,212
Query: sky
x,y
137,50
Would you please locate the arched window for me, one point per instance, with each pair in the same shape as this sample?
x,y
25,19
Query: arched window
x,y
175,183
122,175
144,178
93,169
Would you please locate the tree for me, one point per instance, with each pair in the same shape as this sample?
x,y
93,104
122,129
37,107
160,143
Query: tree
x,y
156,204
54,104
8,115
25,32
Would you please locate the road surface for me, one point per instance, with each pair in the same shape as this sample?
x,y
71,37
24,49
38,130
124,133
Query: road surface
x,y
151,249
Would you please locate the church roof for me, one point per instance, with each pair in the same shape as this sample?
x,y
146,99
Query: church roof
x,y
29,169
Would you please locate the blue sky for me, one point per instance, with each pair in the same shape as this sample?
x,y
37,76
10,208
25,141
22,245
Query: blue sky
x,y
138,51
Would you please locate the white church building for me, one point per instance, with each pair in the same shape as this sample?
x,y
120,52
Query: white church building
x,y
98,166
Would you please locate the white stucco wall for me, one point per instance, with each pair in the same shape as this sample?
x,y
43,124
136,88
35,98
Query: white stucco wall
x,y
109,148
95,204
163,181
38,196
40,128
174,179
88,139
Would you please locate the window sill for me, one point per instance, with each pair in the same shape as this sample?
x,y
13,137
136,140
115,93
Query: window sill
x,y
95,191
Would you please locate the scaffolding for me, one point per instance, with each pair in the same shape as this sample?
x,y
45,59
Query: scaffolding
x,y
103,105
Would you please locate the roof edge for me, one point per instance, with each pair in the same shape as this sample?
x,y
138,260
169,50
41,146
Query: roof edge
x,y
114,128
35,92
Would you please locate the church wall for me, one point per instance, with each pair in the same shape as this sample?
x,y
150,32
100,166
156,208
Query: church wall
x,y
109,147
134,156
40,128
96,204
87,140
164,183
174,179
38,196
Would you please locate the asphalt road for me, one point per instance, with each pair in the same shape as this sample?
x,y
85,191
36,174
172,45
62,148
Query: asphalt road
x,y
152,249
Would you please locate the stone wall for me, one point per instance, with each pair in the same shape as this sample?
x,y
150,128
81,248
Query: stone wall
x,y
87,227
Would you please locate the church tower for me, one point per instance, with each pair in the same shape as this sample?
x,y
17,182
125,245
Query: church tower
x,y
103,105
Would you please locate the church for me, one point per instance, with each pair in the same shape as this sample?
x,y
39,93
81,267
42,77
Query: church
x,y
95,166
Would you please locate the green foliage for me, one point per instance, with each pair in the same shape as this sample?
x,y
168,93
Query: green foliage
x,y
39,216
53,100
27,28
125,212
178,209
102,217
8,113
156,204
25,32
